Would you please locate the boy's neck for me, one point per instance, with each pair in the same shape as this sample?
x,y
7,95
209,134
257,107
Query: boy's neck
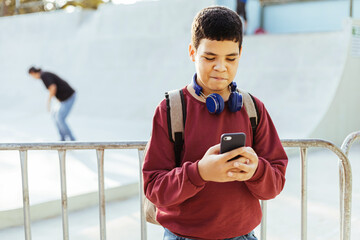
x,y
191,90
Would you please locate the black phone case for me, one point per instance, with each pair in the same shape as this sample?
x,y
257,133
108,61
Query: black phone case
x,y
230,141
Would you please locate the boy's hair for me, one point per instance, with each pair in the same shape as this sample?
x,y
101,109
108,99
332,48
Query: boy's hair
x,y
216,23
34,70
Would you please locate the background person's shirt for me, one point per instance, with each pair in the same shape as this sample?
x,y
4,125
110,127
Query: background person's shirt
x,y
63,89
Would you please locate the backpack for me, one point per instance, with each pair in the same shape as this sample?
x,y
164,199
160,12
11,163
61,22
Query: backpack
x,y
176,117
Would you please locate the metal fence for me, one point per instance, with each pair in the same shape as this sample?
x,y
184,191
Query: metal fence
x,y
345,186
23,148
303,145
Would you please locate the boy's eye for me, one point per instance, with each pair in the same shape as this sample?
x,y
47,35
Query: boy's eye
x,y
209,58
231,59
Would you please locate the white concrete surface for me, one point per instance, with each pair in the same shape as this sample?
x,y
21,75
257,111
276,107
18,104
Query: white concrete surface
x,y
296,76
339,118
121,59
309,82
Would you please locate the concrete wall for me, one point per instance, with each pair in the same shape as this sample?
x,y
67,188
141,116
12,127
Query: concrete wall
x,y
342,116
121,59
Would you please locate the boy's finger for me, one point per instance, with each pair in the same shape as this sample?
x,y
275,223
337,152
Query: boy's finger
x,y
238,176
247,152
241,165
214,149
232,154
236,163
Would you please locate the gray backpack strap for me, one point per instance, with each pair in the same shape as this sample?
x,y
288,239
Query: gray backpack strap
x,y
251,109
176,116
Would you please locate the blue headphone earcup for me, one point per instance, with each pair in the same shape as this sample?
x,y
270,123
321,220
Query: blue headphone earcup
x,y
215,103
235,102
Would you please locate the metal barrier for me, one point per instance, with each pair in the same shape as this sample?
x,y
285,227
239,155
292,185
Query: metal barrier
x,y
62,148
345,181
345,186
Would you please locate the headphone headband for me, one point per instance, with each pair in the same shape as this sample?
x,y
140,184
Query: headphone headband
x,y
197,88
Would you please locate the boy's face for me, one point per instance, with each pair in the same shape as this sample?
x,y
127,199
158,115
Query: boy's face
x,y
35,75
216,65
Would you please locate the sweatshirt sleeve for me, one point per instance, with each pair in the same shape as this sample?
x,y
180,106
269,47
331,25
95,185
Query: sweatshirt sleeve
x,y
269,178
164,183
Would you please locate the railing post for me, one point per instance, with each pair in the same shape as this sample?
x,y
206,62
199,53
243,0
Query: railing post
x,y
263,220
64,200
142,197
25,188
303,193
100,162
345,187
346,199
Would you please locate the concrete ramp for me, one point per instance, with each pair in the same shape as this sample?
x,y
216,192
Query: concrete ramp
x,y
309,82
342,116
122,58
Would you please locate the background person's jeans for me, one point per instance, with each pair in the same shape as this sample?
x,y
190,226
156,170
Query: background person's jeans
x,y
60,118
170,236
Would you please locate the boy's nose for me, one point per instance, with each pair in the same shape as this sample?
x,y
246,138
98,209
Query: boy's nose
x,y
220,66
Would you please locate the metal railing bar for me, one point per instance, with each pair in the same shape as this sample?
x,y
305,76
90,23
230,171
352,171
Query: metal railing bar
x,y
100,162
348,142
346,188
342,196
142,197
263,220
64,199
303,155
25,185
73,145
345,147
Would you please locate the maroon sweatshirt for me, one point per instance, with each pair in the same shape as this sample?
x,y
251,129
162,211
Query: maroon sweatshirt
x,y
189,206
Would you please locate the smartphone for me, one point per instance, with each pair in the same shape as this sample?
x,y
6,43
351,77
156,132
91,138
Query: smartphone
x,y
231,141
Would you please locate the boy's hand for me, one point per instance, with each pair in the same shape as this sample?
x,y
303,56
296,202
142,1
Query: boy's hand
x,y
215,166
247,164
48,107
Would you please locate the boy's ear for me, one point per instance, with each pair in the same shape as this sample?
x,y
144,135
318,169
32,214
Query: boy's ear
x,y
240,51
192,52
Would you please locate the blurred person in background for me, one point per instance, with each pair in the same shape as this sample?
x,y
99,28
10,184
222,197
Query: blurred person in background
x,y
66,95
241,11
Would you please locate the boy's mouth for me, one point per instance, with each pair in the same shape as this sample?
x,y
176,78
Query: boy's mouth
x,y
219,78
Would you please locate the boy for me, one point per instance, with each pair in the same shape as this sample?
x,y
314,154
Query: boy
x,y
209,197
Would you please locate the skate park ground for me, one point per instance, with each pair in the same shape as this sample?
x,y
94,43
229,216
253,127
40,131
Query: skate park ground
x,y
304,79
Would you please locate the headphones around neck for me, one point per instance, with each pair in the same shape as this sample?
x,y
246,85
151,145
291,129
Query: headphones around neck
x,y
215,103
